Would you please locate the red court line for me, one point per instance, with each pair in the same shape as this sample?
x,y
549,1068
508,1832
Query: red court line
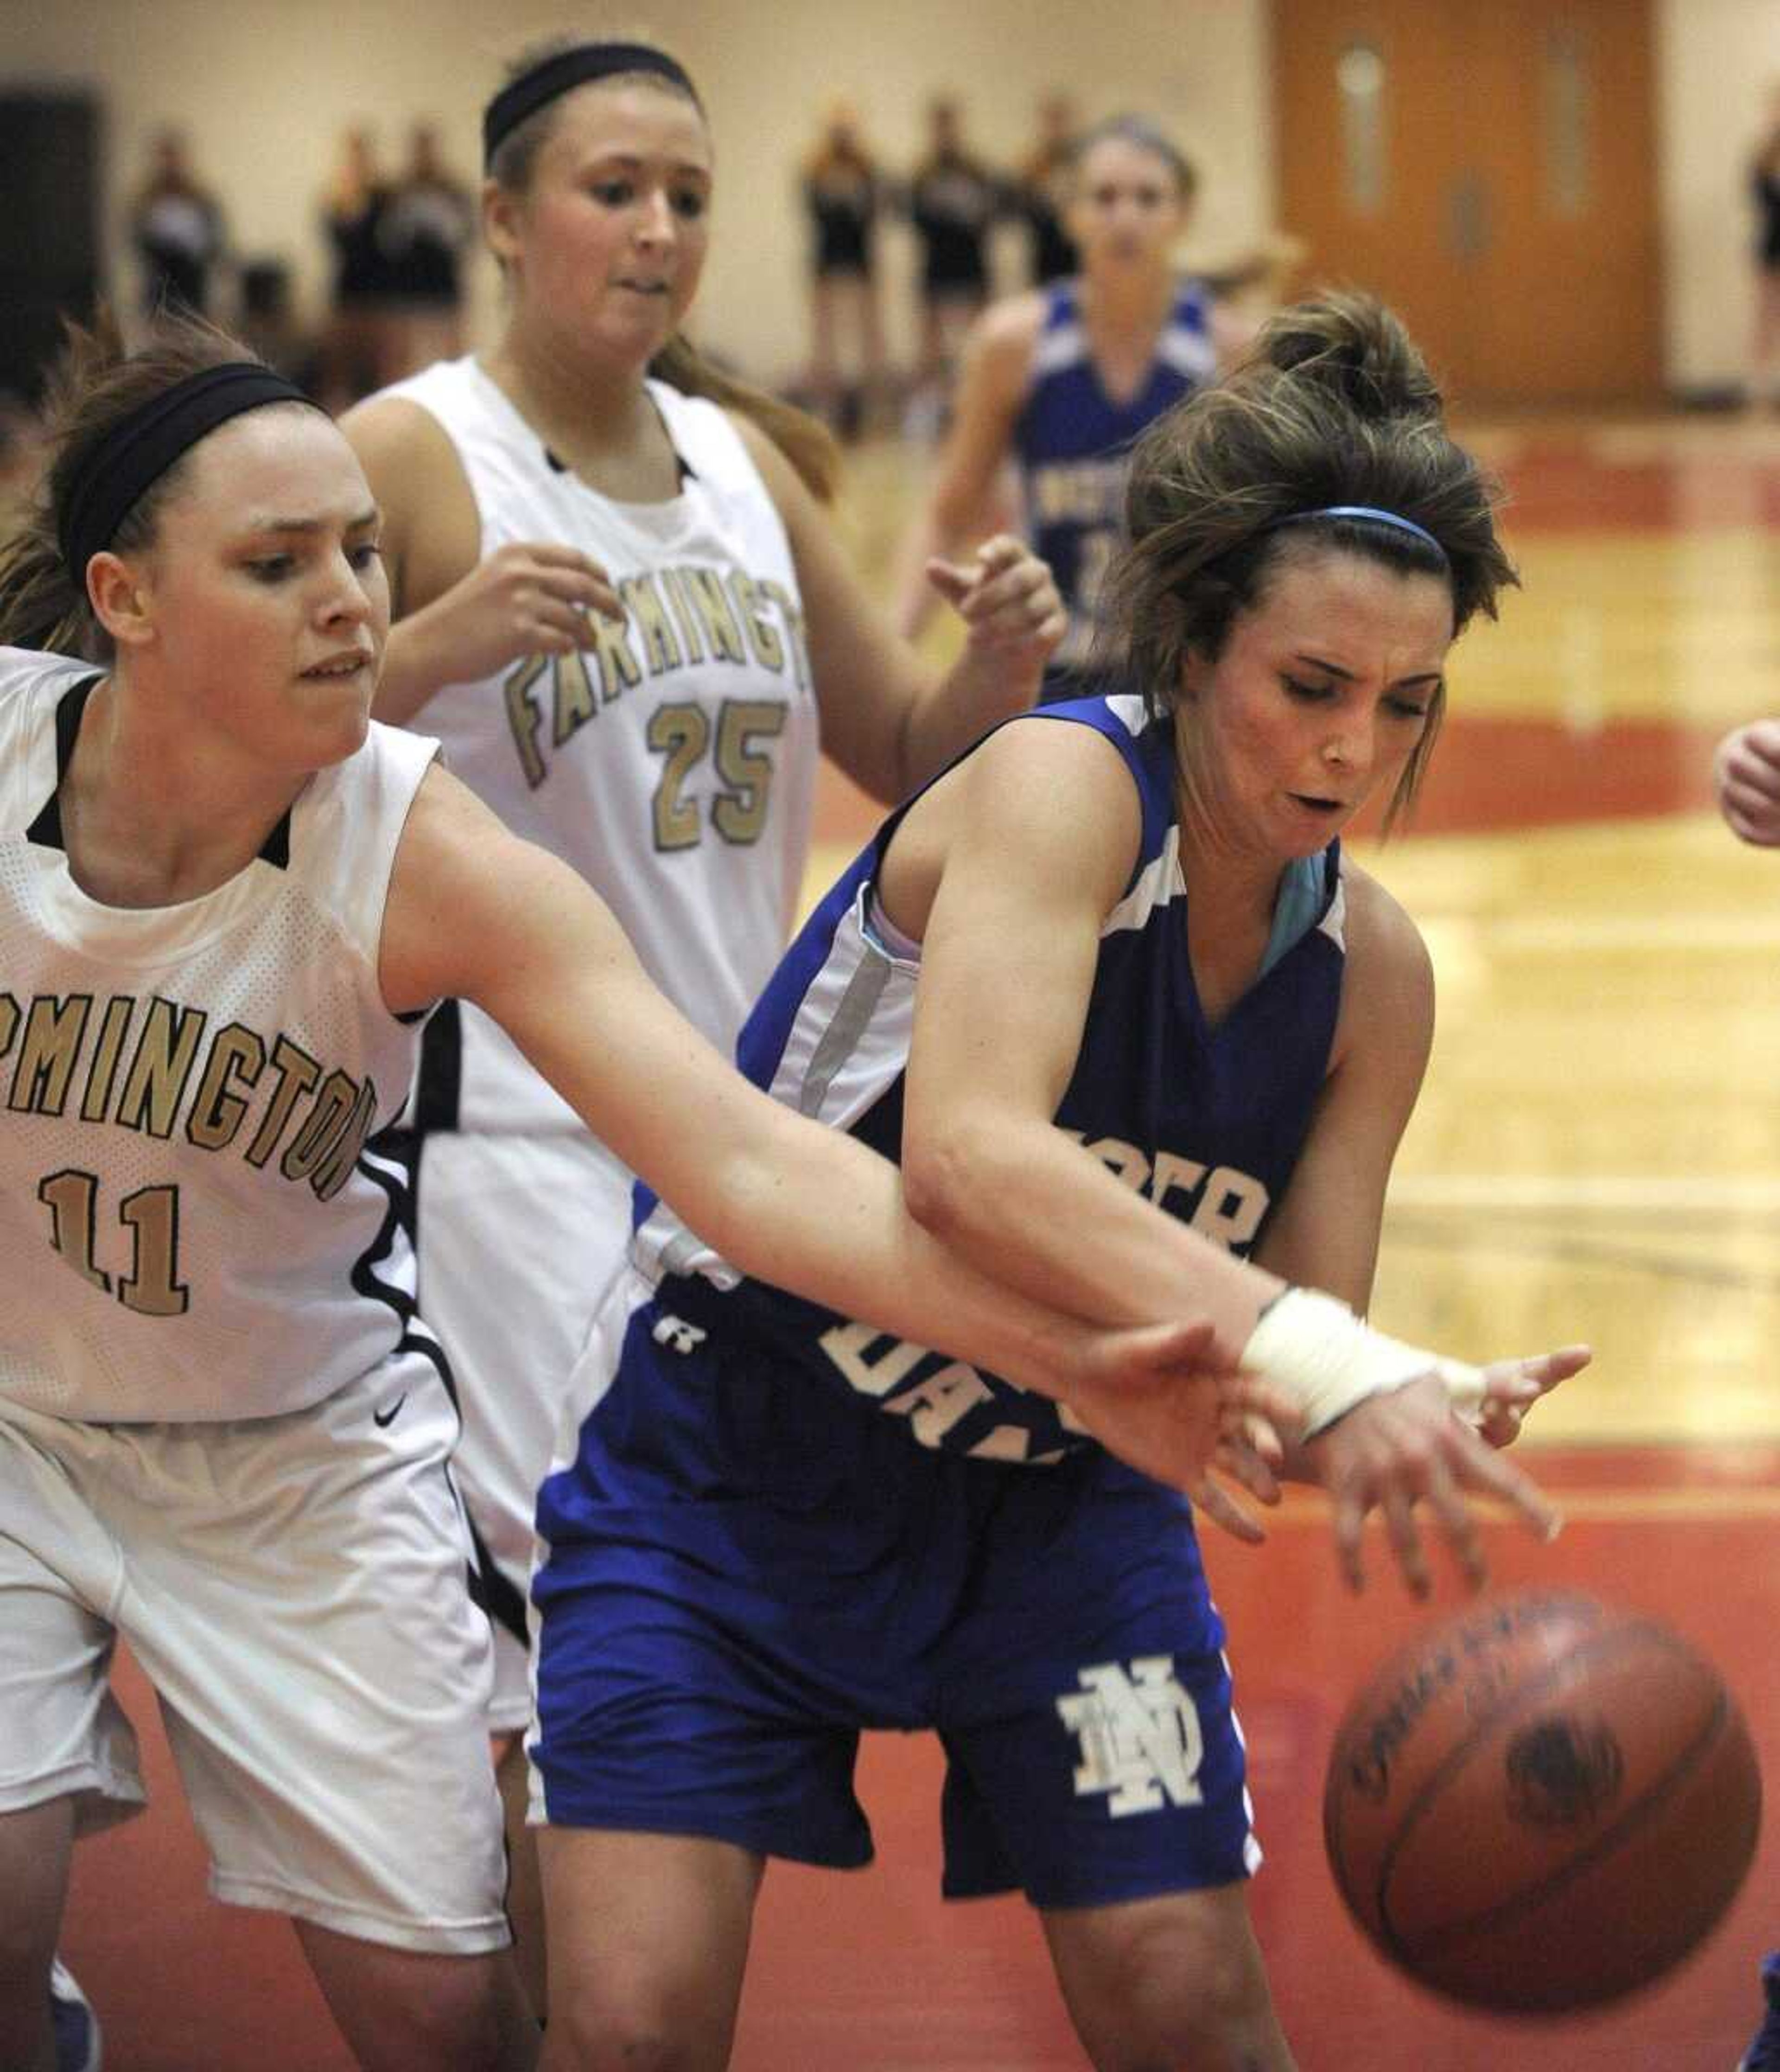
x,y
1565,486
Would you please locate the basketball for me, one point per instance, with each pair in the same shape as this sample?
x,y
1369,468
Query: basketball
x,y
1542,1803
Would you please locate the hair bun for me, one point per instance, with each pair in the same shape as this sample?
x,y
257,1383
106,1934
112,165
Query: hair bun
x,y
1352,346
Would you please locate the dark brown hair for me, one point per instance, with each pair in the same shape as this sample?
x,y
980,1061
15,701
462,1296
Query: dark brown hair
x,y
1333,406
94,386
804,440
1144,135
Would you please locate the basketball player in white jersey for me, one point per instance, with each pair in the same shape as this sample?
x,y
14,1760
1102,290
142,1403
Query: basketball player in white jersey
x,y
619,608
227,899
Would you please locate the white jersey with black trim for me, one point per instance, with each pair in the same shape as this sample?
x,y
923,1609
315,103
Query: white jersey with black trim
x,y
671,763
188,1231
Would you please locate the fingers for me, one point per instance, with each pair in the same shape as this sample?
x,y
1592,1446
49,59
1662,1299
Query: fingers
x,y
560,576
1005,595
1278,1409
1212,1501
1398,1507
1350,1518
1483,1469
1406,1456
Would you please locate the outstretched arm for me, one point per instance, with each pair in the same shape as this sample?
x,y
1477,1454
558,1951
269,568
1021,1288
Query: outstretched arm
x,y
476,914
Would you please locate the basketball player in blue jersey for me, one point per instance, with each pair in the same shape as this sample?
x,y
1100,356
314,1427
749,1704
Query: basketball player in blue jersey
x,y
228,898
1113,994
621,608
1746,781
1062,379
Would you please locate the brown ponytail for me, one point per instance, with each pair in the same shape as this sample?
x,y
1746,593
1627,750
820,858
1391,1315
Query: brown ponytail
x,y
806,442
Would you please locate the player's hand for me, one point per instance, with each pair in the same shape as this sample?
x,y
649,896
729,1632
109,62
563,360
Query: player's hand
x,y
1156,1396
1007,599
528,597
1511,1387
1746,778
1248,1454
1404,1454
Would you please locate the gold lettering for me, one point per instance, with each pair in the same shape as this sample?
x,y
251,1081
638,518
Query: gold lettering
x,y
791,612
102,1073
297,1072
672,581
649,615
165,1053
46,1057
572,704
769,650
236,1056
334,1171
524,716
321,1127
711,601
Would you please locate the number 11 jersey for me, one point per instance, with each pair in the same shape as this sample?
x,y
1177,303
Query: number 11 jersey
x,y
191,1228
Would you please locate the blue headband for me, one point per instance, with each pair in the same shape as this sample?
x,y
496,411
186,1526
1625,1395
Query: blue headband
x,y
556,75
1366,510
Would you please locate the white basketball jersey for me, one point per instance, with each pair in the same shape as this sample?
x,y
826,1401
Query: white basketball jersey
x,y
672,763
187,1229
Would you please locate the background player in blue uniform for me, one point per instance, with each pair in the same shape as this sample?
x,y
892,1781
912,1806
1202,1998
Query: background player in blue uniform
x,y
1061,380
1112,993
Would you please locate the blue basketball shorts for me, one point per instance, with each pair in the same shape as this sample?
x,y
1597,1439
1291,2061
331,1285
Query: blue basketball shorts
x,y
740,1571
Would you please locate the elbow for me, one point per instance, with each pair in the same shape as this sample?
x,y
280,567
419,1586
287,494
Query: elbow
x,y
946,1171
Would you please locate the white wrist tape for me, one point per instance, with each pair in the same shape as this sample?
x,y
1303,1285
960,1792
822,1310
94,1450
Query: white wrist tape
x,y
1321,1352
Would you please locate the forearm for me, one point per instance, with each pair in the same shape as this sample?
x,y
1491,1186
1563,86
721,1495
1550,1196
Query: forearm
x,y
983,687
418,661
1032,1210
837,1230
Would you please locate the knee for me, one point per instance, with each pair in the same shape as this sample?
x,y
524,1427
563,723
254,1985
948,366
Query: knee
x,y
471,2018
621,2034
1175,1997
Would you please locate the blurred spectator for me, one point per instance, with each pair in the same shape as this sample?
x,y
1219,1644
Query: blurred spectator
x,y
267,321
359,348
953,199
843,193
428,221
1764,183
176,226
1042,192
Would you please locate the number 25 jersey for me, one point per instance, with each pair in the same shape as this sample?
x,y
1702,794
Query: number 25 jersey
x,y
672,761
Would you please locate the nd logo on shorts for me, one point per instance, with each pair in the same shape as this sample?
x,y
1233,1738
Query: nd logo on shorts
x,y
1139,1736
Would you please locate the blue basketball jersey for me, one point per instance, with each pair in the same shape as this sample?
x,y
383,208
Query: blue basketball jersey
x,y
1072,441
1206,1121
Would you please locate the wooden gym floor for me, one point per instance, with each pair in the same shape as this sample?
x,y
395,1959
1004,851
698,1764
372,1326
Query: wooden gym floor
x,y
1596,1155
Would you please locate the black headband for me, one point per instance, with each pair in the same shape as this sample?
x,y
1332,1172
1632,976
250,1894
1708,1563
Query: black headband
x,y
544,83
140,449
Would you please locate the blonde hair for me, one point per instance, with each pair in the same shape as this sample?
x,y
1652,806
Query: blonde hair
x,y
804,440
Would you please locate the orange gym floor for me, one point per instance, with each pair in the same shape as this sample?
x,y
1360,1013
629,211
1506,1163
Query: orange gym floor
x,y
1597,1155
